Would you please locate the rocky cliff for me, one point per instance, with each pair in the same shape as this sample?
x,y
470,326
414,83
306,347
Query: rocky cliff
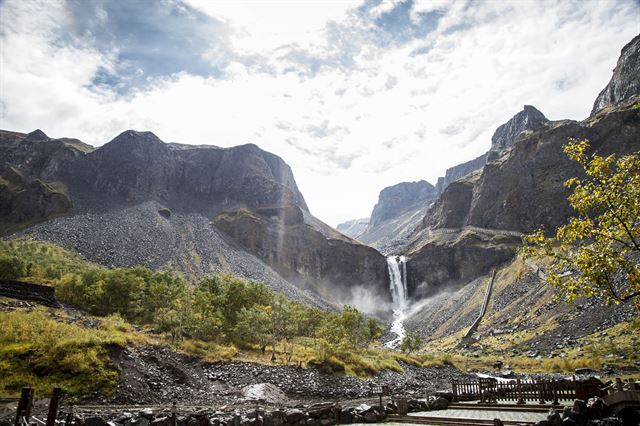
x,y
401,208
333,266
191,184
625,82
397,199
353,228
523,189
397,213
507,134
518,192
475,223
461,170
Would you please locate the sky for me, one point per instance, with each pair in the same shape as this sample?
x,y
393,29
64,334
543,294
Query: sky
x,y
354,95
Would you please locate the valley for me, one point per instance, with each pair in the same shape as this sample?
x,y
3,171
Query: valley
x,y
147,273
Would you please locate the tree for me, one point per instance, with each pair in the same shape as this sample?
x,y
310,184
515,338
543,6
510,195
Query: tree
x,y
253,327
374,330
597,253
281,324
411,342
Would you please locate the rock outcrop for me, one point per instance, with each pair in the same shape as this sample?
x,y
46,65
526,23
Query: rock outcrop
x,y
397,199
397,213
137,166
507,134
334,266
461,170
353,228
523,189
625,82
191,185
26,201
447,260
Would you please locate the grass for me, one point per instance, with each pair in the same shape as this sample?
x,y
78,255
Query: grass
x,y
40,348
207,351
46,262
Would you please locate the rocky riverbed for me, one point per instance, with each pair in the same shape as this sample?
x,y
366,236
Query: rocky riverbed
x,y
159,376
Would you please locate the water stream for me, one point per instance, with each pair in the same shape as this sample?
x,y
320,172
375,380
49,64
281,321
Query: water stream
x,y
398,277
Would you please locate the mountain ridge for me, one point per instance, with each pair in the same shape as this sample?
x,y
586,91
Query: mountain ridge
x,y
209,182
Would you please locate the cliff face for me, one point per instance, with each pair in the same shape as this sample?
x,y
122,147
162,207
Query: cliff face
x,y
25,201
519,192
441,261
137,166
523,189
402,208
475,222
625,82
215,184
353,228
461,170
332,266
397,213
30,189
507,134
397,199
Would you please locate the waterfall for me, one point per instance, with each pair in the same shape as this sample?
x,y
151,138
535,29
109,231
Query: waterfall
x,y
397,266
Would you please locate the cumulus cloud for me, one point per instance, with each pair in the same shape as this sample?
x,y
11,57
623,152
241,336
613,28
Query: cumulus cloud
x,y
354,96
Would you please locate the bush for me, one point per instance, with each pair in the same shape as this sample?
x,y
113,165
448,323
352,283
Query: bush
x,y
11,267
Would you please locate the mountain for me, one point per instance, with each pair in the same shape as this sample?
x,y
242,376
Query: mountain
x,y
507,135
198,209
475,223
398,211
353,228
625,82
401,208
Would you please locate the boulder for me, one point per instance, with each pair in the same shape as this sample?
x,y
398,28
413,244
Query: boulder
x,y
596,408
554,418
294,416
279,417
438,404
371,417
162,421
321,410
146,413
346,416
95,421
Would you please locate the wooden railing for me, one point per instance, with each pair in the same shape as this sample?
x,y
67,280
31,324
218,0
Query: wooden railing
x,y
488,390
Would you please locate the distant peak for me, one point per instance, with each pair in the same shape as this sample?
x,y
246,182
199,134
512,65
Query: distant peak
x,y
37,135
531,108
129,135
530,118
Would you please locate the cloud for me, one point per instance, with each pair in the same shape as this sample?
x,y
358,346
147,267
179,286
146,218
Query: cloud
x,y
354,96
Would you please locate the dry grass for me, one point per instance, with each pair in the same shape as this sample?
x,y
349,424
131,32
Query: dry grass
x,y
41,349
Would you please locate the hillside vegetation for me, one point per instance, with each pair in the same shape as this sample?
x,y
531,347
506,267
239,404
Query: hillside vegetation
x,y
216,318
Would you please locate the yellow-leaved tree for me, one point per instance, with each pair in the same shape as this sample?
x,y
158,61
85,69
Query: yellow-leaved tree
x,y
597,253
